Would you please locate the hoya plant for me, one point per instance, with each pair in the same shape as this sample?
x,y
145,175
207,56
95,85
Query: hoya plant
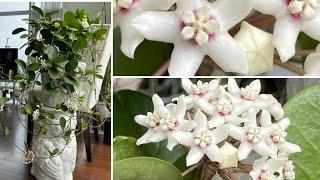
x,y
57,66
215,130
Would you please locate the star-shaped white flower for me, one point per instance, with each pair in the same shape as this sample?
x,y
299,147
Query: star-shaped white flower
x,y
164,122
277,140
312,63
265,169
287,171
222,110
198,28
202,141
126,10
252,137
250,97
292,17
200,92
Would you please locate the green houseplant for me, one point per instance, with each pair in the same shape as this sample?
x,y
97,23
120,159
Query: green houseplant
x,y
50,83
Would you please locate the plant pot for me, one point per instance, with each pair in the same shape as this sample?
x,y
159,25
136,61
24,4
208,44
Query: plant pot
x,y
62,165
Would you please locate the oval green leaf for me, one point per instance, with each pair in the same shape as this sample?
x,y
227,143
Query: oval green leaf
x,y
145,168
125,147
304,130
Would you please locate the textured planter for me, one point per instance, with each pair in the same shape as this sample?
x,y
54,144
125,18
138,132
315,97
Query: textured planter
x,y
61,166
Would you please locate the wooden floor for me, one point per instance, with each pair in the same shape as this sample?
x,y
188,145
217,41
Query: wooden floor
x,y
12,168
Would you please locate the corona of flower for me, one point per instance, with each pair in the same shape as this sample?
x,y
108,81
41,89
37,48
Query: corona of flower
x,y
198,28
292,17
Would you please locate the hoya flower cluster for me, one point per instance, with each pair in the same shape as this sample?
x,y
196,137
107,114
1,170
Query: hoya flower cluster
x,y
200,27
225,124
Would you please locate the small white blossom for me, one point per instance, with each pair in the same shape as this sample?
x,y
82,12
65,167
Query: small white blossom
x,y
126,10
292,17
164,122
252,137
29,157
277,140
265,169
198,28
73,101
200,92
36,114
202,140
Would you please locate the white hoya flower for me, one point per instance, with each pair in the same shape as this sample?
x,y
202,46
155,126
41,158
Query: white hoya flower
x,y
312,63
287,171
277,140
202,141
126,10
164,122
36,114
252,137
266,169
250,97
200,92
222,110
198,28
292,17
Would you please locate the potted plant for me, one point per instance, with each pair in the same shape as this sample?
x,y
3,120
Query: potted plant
x,y
50,84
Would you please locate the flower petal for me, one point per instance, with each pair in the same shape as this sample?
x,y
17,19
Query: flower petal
x,y
242,107
130,39
154,5
219,50
251,118
190,5
312,65
291,148
185,59
285,36
311,28
270,7
233,87
187,85
184,138
233,119
157,136
244,150
158,26
159,106
232,12
141,119
255,86
181,109
236,132
213,152
201,120
195,155
276,110
216,121
186,125
263,149
265,119
219,134
284,123
171,108
276,164
144,139
206,106
172,142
